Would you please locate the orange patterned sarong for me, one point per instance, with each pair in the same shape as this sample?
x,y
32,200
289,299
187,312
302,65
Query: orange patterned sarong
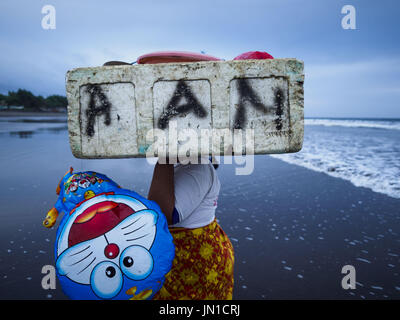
x,y
203,265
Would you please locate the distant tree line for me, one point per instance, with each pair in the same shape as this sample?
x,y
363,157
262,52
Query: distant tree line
x,y
31,102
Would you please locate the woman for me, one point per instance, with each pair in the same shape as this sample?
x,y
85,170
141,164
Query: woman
x,y
203,263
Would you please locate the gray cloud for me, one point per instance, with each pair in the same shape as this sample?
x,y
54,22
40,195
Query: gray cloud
x,y
89,33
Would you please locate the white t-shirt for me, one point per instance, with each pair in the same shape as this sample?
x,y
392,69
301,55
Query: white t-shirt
x,y
196,192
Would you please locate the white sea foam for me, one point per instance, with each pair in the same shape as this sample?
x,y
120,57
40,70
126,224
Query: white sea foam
x,y
355,123
363,260
353,150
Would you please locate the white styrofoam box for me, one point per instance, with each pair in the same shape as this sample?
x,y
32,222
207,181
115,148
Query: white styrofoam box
x,y
120,111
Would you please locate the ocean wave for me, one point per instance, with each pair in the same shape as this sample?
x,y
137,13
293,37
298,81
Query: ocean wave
x,y
366,160
355,123
359,178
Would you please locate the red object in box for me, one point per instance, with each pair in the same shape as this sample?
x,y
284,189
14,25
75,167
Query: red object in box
x,y
254,55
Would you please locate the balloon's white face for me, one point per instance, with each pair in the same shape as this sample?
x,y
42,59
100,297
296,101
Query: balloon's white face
x,y
111,252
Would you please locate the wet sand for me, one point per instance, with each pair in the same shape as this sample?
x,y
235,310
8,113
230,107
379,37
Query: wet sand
x,y
293,229
16,113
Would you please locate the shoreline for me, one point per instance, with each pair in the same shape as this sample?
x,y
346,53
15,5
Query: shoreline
x,y
292,230
305,226
16,113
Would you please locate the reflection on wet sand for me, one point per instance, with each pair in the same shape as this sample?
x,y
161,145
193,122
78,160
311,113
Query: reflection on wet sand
x,y
24,128
28,134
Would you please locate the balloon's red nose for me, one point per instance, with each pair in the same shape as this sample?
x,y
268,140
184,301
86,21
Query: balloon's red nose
x,y
111,251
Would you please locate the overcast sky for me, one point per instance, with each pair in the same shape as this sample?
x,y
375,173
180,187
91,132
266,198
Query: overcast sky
x,y
349,73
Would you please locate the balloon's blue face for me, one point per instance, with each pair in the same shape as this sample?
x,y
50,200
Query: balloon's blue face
x,y
106,245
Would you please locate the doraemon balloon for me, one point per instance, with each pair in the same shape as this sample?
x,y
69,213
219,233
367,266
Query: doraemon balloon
x,y
111,243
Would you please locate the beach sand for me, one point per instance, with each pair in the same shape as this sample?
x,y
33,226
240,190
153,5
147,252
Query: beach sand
x,y
16,113
292,229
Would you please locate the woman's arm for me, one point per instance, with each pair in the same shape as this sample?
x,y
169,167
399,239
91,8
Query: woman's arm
x,y
162,189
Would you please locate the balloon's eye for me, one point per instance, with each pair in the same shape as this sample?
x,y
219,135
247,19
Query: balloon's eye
x,y
128,262
136,262
73,186
110,272
84,183
106,280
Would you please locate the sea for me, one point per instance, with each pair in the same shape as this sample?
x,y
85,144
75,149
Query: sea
x,y
365,152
